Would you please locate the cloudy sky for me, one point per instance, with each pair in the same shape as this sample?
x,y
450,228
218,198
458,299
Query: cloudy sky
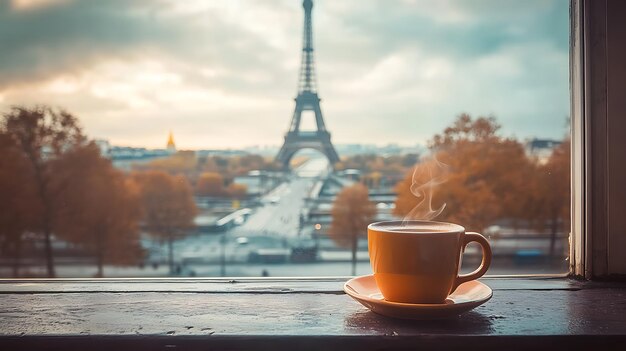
x,y
223,73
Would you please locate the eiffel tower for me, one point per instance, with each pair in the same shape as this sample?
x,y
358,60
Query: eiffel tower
x,y
307,100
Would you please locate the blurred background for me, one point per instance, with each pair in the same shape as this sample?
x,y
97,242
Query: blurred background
x,y
144,138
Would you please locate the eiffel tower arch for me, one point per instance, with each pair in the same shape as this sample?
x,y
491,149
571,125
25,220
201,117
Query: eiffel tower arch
x,y
307,100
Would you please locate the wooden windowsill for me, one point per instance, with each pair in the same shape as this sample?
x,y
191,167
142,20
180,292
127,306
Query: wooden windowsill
x,y
296,314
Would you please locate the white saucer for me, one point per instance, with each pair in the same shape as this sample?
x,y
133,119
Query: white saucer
x,y
465,298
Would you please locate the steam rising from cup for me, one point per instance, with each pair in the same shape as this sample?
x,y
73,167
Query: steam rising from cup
x,y
427,176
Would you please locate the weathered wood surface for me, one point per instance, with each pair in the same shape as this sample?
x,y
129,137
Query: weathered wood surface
x,y
233,285
297,314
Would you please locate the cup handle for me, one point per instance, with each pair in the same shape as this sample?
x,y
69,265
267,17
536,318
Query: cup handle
x,y
484,265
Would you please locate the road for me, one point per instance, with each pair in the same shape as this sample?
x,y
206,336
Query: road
x,y
501,265
272,226
269,227
283,206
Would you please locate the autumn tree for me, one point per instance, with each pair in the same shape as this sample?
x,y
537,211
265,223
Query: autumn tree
x,y
351,213
489,178
209,175
237,191
168,207
101,210
42,135
377,170
240,165
210,184
552,193
230,167
18,210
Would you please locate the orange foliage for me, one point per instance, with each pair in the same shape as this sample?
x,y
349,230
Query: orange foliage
x,y
168,206
203,172
352,211
237,191
98,209
167,201
182,162
230,167
18,208
42,135
379,170
210,184
490,178
552,193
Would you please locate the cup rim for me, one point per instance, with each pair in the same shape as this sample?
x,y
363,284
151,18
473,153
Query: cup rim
x,y
380,227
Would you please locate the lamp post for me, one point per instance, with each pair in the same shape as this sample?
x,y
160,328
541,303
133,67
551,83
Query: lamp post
x,y
223,255
317,227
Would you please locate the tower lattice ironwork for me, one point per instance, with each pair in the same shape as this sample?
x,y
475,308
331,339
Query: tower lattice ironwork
x,y
307,100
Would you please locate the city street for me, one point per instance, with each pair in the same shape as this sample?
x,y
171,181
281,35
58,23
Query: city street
x,y
269,227
500,266
280,214
271,230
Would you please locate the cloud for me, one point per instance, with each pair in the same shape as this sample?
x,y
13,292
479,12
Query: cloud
x,y
399,70
61,37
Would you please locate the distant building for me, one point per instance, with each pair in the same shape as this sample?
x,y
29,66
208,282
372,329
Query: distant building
x,y
541,148
124,157
385,150
171,146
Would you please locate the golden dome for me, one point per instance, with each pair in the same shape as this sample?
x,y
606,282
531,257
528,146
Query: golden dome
x,y
170,142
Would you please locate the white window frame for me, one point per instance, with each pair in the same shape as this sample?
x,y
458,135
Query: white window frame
x,y
598,83
577,165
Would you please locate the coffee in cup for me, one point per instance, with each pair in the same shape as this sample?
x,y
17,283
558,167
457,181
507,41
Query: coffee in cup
x,y
419,261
